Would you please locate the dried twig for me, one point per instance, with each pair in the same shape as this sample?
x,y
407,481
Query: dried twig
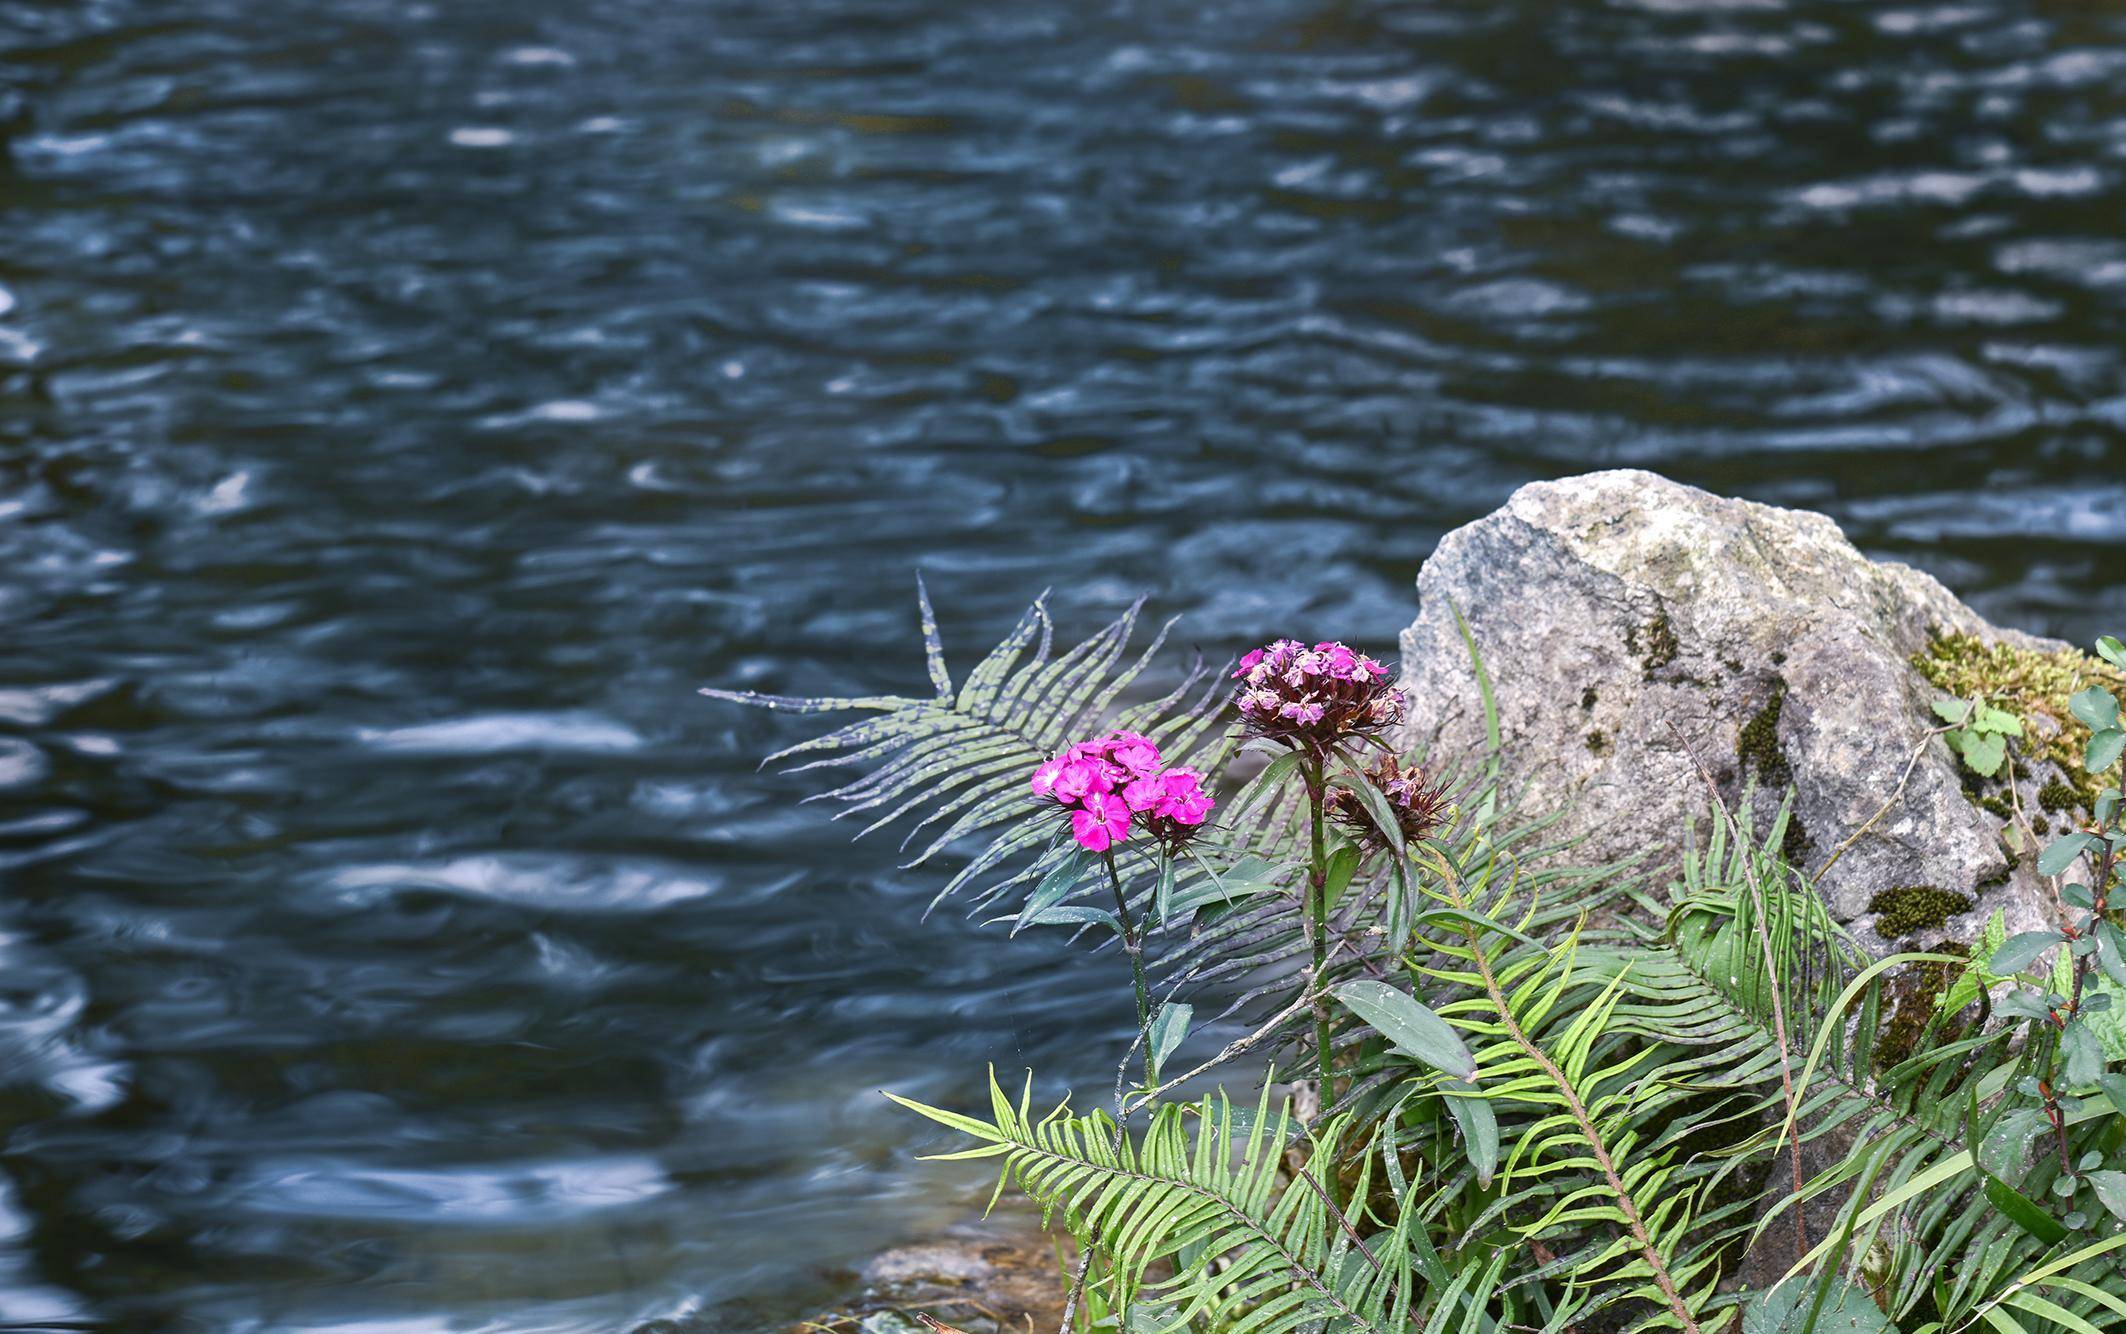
x,y
1884,809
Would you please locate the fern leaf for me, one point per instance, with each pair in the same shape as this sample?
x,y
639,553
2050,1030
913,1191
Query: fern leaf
x,y
1200,1193
953,766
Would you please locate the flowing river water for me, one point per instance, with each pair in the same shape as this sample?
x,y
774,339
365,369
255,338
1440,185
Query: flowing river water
x,y
404,407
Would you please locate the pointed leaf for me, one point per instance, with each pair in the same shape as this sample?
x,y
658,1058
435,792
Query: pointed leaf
x,y
2084,1055
2021,950
2110,1191
2060,853
1056,886
1479,1126
1168,1029
1411,1026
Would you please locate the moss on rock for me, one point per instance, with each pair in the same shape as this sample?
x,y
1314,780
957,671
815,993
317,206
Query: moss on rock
x,y
1909,908
1757,750
1916,991
2056,796
2032,684
1758,746
1655,642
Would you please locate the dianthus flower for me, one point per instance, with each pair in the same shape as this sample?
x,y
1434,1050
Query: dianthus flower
x,y
1419,802
1100,822
1293,693
1119,782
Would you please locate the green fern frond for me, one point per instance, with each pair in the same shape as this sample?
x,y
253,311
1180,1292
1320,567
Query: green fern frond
x,y
1204,1192
953,766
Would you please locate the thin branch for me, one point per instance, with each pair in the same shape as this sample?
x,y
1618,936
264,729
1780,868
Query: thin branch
x,y
1239,1046
1338,1214
1077,1288
1884,809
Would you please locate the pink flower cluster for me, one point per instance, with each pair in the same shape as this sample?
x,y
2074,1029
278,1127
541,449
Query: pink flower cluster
x,y
1291,691
1112,782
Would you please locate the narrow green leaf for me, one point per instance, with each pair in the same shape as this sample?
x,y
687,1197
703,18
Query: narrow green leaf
x,y
2024,1212
1056,886
1343,863
1479,1127
1483,685
1278,770
2110,650
1072,914
1378,810
933,648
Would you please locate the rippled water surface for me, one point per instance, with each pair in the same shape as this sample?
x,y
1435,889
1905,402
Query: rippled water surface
x,y
403,408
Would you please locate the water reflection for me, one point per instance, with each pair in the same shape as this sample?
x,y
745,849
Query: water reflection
x,y
406,407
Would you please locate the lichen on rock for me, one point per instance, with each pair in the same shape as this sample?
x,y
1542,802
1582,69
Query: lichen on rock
x,y
1655,642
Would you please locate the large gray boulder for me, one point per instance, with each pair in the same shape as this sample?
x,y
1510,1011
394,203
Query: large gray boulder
x,y
1630,623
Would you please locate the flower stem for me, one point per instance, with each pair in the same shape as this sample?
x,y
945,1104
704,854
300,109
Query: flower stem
x,y
1316,915
1134,945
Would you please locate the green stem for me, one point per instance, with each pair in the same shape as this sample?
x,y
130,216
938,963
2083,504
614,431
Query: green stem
x,y
2099,904
1134,945
1316,915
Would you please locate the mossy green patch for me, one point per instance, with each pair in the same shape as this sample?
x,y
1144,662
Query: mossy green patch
x,y
2030,683
1757,750
2056,796
1909,908
1655,642
1916,989
1794,845
1758,746
1598,742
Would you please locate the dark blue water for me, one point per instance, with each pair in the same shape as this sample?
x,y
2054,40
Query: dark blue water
x,y
404,407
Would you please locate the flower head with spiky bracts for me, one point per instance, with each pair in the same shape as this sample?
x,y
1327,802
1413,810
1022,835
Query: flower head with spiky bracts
x,y
1419,802
1313,696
